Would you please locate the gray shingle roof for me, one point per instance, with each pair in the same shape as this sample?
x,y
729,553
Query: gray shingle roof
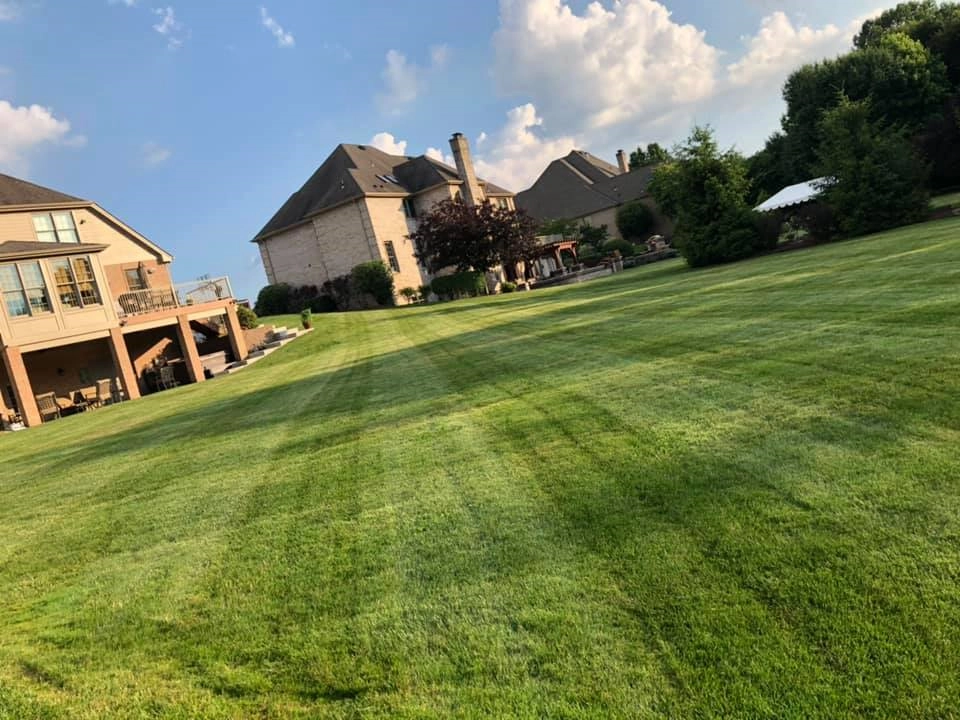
x,y
581,184
22,249
355,171
14,191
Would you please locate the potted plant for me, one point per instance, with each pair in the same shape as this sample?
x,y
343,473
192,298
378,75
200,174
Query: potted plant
x,y
306,319
14,422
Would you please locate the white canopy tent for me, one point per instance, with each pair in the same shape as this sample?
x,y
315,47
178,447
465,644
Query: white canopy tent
x,y
794,195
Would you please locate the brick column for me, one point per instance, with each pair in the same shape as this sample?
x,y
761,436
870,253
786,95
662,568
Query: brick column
x,y
189,347
238,342
17,372
121,361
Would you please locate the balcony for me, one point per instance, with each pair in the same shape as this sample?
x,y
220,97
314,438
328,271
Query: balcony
x,y
197,292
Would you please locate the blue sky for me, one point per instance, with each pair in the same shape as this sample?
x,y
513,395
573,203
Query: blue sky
x,y
194,121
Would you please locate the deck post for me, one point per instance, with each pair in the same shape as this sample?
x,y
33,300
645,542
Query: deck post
x,y
121,361
238,343
17,372
189,347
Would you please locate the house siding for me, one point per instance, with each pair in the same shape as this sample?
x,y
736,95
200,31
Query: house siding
x,y
390,224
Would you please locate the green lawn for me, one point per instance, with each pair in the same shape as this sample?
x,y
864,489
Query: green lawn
x,y
724,493
942,201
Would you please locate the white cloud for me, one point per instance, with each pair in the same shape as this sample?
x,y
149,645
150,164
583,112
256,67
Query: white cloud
x,y
388,143
284,39
155,155
128,3
481,138
404,80
518,154
603,66
25,128
437,154
169,27
9,10
779,47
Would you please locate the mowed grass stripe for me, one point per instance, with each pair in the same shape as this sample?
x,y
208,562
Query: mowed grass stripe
x,y
720,493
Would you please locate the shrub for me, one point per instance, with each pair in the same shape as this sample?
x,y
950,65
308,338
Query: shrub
x,y
595,236
247,317
375,279
734,235
459,284
409,293
323,304
508,287
424,291
273,300
306,318
634,220
625,248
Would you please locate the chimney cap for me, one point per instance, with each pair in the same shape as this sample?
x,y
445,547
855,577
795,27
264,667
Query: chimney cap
x,y
458,135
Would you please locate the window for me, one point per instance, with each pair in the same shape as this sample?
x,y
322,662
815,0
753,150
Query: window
x,y
24,291
409,208
503,203
392,256
135,280
389,179
76,285
56,227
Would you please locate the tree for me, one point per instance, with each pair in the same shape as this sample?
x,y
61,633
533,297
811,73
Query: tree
x,y
373,278
705,190
653,155
247,317
634,220
477,237
878,179
906,84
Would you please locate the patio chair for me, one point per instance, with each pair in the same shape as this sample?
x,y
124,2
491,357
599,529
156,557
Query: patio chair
x,y
167,378
104,393
48,407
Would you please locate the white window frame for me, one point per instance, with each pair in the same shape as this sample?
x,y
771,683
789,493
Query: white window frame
x,y
57,231
24,291
392,260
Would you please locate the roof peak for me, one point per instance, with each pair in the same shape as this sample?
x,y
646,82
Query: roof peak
x,y
15,191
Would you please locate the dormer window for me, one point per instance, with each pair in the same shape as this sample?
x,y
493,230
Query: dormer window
x,y
56,227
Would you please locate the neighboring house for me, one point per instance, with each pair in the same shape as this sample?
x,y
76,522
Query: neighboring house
x,y
361,205
583,188
88,306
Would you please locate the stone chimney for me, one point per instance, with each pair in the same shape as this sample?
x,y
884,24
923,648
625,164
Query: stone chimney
x,y
472,194
622,161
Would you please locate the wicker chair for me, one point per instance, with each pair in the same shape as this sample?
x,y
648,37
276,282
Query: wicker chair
x,y
48,407
167,378
104,393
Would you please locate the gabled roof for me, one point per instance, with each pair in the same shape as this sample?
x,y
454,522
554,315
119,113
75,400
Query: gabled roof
x,y
14,191
794,195
17,194
355,171
581,184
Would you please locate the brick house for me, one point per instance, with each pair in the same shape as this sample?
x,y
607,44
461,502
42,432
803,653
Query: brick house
x,y
587,190
88,304
361,205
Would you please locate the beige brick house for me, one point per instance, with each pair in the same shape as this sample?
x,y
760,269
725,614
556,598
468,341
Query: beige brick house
x,y
361,205
89,313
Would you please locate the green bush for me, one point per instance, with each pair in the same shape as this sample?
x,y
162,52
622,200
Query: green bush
x,y
247,317
409,293
634,220
459,284
306,318
323,304
625,248
273,300
508,287
373,278
424,292
737,234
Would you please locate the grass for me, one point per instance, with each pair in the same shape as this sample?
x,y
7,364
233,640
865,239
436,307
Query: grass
x,y
722,493
943,201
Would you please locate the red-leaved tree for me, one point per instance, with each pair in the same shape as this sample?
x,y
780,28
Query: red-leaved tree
x,y
480,237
